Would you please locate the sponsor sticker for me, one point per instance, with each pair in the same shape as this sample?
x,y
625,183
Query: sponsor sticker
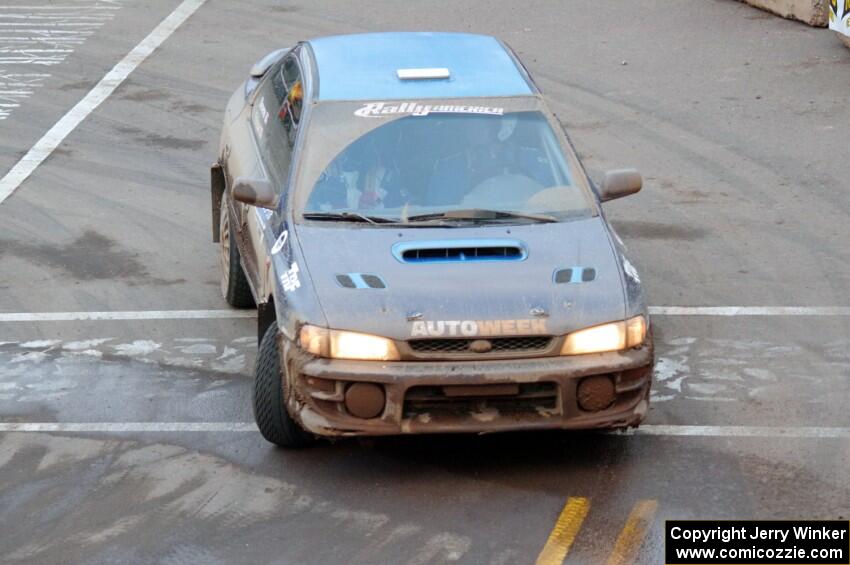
x,y
378,109
281,241
839,16
260,116
472,328
630,270
289,279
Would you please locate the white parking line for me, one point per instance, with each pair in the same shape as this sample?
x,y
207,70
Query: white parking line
x,y
750,310
131,315
34,38
112,427
645,430
10,7
225,314
107,85
741,431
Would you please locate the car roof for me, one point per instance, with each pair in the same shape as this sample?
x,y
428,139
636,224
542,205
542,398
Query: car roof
x,y
364,66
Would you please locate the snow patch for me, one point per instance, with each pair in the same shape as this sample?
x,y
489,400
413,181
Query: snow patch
x,y
138,347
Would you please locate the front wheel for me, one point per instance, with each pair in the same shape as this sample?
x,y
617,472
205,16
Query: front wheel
x,y
234,283
269,398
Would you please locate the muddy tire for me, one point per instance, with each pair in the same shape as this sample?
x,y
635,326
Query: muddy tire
x,y
269,400
234,283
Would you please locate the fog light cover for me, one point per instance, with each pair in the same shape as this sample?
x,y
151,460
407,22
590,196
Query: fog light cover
x,y
595,393
365,400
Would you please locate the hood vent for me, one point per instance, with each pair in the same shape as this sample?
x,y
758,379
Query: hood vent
x,y
575,275
360,280
464,250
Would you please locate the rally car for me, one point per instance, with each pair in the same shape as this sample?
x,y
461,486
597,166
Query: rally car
x,y
425,250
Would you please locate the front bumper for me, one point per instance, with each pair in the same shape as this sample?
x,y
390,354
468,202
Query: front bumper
x,y
418,399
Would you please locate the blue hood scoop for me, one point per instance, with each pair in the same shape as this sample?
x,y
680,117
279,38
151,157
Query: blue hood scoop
x,y
460,250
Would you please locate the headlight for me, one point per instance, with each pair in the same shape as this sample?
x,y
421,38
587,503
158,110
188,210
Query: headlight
x,y
347,345
615,336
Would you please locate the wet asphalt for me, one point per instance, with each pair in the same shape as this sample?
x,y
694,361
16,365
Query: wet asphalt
x,y
738,121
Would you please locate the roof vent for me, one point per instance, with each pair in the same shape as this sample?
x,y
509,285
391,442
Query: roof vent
x,y
460,251
423,74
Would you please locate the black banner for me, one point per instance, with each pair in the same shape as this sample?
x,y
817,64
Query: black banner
x,y
748,542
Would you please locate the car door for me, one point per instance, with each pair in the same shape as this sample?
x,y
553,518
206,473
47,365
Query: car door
x,y
274,119
240,157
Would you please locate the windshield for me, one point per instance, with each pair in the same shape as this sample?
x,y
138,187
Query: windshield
x,y
449,159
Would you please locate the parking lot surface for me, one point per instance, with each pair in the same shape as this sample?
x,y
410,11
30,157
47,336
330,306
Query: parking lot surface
x,y
129,437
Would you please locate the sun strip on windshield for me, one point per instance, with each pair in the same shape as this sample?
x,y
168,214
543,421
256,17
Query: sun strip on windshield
x,y
378,109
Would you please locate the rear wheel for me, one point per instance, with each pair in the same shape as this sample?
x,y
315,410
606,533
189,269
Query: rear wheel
x,y
234,283
269,397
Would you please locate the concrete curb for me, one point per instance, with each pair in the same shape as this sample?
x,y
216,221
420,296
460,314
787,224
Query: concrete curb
x,y
813,12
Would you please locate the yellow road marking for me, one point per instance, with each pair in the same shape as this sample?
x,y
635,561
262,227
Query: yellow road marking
x,y
631,537
564,533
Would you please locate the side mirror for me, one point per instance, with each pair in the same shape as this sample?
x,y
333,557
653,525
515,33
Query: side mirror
x,y
619,183
264,64
261,67
256,192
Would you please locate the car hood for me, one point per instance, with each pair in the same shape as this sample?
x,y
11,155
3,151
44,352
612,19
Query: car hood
x,y
445,298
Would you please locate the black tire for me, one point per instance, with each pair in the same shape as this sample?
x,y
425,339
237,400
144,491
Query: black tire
x,y
234,283
269,400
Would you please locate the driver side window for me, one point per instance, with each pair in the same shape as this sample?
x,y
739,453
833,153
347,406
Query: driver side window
x,y
295,91
275,118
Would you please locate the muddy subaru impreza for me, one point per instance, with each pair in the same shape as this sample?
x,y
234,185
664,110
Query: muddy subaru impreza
x,y
424,248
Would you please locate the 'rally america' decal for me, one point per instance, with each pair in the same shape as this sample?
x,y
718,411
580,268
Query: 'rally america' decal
x,y
472,328
378,109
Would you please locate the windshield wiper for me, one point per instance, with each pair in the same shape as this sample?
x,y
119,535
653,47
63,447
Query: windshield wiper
x,y
348,217
481,214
